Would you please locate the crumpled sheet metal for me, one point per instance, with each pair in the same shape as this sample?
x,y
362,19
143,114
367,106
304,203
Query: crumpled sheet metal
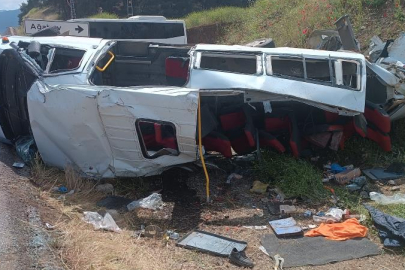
x,y
93,127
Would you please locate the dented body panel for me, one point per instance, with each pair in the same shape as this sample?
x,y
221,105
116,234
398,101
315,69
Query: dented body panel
x,y
93,128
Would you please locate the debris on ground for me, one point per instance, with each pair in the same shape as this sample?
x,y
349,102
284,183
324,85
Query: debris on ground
x,y
211,243
390,229
238,257
286,227
287,209
346,176
101,223
233,176
26,148
153,202
61,189
381,174
49,226
345,230
333,215
384,199
264,227
317,250
171,235
259,187
357,184
18,165
153,231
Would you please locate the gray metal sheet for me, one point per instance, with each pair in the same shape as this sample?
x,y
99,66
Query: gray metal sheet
x,y
211,243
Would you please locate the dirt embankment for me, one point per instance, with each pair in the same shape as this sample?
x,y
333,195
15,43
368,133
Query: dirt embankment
x,y
210,34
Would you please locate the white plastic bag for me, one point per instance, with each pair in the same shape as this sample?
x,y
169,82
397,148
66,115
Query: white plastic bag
x,y
154,202
101,223
335,213
383,199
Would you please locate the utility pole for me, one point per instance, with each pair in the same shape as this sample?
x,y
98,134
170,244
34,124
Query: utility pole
x,y
71,3
130,9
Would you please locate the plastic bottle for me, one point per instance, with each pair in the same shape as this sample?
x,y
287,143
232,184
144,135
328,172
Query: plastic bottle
x,y
383,199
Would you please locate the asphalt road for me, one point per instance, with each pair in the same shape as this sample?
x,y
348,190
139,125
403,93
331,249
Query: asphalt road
x,y
23,240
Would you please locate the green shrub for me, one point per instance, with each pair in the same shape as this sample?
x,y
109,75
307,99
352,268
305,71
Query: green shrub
x,y
104,15
295,177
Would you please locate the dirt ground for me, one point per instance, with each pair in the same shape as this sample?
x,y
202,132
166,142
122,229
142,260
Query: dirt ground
x,y
81,247
23,241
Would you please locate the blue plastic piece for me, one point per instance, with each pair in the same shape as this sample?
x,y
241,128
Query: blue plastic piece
x,y
336,168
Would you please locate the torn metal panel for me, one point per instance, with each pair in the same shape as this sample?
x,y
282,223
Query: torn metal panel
x,y
94,127
300,81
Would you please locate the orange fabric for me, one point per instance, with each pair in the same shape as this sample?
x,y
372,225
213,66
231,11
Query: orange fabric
x,y
348,229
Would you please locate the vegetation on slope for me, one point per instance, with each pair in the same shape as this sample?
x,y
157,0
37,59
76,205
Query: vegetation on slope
x,y
290,22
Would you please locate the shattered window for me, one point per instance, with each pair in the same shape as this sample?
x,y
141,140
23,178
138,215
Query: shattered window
x,y
66,59
350,74
287,66
245,64
318,70
157,138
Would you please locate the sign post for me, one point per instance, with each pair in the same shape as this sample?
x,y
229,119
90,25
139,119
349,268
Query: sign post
x,y
66,28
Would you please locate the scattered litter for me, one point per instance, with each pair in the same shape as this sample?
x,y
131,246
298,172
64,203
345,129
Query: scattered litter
x,y
347,175
392,182
279,262
114,202
18,165
396,188
285,227
348,229
391,229
308,213
336,168
331,216
259,187
317,250
61,189
26,148
310,226
262,249
381,174
287,209
357,183
153,231
335,213
105,188
264,227
154,202
383,199
277,194
211,243
101,223
274,206
172,235
71,192
49,226
232,177
238,257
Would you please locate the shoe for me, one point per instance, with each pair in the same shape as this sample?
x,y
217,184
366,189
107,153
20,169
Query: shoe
x,y
239,258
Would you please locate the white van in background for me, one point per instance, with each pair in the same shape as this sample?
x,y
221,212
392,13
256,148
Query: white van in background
x,y
138,28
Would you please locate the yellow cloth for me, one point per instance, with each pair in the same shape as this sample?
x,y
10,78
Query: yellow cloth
x,y
348,229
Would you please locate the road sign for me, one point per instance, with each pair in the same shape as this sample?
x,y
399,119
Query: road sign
x,y
66,28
